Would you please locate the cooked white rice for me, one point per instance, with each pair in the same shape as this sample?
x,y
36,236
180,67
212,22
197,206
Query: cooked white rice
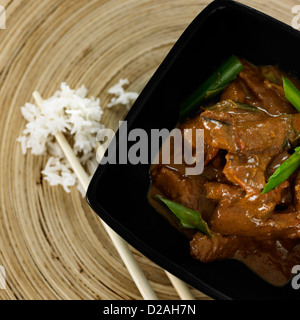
x,y
121,96
79,118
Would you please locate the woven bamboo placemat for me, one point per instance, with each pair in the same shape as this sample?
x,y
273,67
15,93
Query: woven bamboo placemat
x,y
52,245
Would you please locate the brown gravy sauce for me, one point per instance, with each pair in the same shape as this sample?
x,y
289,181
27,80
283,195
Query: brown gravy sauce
x,y
273,258
270,260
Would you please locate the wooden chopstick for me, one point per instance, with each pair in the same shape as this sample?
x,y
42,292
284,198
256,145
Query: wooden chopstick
x,y
120,244
126,255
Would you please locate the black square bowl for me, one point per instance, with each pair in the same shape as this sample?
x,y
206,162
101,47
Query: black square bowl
x,y
118,192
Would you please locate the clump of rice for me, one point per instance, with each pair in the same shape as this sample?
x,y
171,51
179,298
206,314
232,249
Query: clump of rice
x,y
121,96
79,118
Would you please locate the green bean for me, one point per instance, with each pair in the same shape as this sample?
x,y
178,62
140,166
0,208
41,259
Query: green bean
x,y
214,85
284,171
291,93
188,218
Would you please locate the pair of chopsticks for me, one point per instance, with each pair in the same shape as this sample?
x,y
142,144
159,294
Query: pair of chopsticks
x,y
120,244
